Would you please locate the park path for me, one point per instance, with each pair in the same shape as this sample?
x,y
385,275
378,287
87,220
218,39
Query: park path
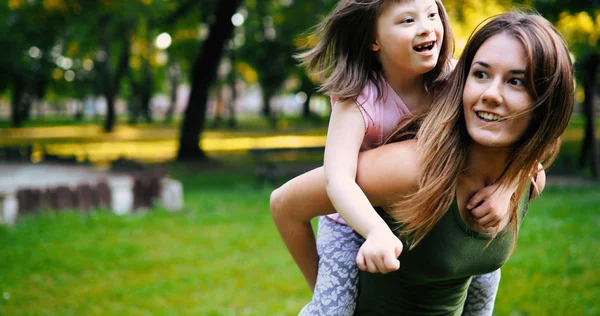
x,y
147,143
152,143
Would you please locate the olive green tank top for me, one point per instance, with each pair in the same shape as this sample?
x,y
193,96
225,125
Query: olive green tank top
x,y
434,276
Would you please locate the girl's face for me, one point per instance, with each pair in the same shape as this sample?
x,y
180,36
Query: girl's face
x,y
496,103
409,36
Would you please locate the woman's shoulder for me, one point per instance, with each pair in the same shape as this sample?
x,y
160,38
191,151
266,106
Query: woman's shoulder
x,y
390,169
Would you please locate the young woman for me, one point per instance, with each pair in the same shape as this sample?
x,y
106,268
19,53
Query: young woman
x,y
508,102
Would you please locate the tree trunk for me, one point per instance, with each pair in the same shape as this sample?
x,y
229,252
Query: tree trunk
x,y
231,78
174,74
18,93
306,113
307,87
589,150
267,111
203,74
146,92
232,122
113,83
109,122
40,92
134,104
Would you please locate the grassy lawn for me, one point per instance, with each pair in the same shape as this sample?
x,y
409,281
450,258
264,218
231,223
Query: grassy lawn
x,y
222,255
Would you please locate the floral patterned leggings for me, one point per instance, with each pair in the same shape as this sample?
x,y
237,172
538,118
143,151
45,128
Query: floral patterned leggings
x,y
337,280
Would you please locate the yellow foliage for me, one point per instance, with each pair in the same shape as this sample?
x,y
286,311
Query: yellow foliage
x,y
137,47
248,73
73,48
57,74
472,13
55,5
579,95
580,27
146,2
135,62
278,18
15,4
186,34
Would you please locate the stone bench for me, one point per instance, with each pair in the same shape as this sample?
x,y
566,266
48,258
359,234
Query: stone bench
x,y
29,189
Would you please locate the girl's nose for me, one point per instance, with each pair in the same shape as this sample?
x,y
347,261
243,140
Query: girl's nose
x,y
425,28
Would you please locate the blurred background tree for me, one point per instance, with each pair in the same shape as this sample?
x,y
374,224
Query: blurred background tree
x,y
62,51
579,22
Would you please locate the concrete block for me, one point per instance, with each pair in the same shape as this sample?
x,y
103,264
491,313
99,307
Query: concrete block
x,y
171,194
9,207
121,189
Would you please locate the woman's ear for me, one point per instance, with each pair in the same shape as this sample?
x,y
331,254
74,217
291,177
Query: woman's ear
x,y
375,46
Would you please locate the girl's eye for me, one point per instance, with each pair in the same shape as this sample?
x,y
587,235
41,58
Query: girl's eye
x,y
408,20
480,74
433,14
517,82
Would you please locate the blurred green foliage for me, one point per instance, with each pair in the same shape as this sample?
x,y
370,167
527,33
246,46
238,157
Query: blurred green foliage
x,y
37,36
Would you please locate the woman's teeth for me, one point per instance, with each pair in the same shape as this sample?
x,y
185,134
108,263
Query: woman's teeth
x,y
488,116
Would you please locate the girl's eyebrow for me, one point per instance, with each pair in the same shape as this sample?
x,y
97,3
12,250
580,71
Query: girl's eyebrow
x,y
513,71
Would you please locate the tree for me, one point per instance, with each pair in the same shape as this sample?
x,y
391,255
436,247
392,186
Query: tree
x,y
26,61
579,22
203,74
272,36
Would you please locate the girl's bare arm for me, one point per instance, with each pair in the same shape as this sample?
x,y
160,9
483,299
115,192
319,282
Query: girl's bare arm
x,y
384,174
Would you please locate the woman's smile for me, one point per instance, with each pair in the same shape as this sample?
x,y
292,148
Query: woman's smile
x,y
496,102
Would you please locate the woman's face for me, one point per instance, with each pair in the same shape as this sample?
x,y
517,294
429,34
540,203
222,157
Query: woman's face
x,y
496,103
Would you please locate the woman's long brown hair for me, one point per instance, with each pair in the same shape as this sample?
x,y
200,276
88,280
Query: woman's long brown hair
x,y
443,138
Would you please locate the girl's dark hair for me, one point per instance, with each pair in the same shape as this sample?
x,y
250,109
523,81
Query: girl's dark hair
x,y
342,57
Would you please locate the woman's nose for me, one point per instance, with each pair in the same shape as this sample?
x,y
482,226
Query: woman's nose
x,y
493,94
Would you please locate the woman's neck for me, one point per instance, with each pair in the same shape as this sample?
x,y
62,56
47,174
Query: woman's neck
x,y
485,165
411,89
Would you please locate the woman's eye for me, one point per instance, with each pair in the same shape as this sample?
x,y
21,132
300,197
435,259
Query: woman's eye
x,y
517,82
479,74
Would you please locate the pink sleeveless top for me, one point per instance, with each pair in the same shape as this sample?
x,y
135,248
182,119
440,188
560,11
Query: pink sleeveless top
x,y
381,117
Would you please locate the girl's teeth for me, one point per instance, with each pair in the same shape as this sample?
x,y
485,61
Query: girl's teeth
x,y
422,46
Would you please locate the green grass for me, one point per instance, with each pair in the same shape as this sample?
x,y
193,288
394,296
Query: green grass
x,y
555,269
221,255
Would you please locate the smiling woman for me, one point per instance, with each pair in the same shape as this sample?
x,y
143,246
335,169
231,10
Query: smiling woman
x,y
496,102
514,81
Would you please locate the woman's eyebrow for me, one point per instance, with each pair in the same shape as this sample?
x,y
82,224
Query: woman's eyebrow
x,y
512,71
482,64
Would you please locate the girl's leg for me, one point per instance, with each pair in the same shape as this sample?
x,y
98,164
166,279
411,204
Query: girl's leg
x,y
482,294
337,278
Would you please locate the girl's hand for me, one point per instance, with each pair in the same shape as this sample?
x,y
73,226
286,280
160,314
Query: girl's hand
x,y
379,253
490,207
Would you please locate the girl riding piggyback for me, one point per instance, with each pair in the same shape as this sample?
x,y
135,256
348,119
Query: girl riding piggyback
x,y
378,61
